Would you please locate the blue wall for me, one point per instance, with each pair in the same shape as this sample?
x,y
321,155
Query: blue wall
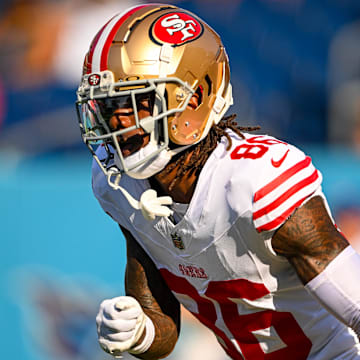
x,y
54,238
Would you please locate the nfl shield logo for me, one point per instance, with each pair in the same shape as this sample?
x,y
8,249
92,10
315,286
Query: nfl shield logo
x,y
177,241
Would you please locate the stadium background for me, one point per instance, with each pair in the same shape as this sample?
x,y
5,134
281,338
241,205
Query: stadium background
x,y
296,72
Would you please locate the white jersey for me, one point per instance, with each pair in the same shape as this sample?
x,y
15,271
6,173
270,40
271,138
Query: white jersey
x,y
218,260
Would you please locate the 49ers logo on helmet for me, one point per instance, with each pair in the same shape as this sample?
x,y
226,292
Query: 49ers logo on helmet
x,y
94,79
176,28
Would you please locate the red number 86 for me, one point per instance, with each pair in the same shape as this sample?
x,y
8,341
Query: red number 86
x,y
241,327
254,148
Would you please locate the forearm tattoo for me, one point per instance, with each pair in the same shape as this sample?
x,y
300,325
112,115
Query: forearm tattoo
x,y
309,239
144,282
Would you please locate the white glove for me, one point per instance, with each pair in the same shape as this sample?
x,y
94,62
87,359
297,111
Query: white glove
x,y
151,205
120,324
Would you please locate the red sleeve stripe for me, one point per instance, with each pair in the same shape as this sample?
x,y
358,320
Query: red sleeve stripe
x,y
286,195
280,219
337,228
282,178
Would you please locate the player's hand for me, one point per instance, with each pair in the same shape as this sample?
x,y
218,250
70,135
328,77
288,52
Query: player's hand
x,y
151,205
120,324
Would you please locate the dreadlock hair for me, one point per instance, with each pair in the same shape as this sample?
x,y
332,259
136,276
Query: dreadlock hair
x,y
201,151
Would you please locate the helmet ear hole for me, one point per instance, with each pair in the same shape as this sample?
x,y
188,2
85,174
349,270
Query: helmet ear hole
x,y
200,91
197,98
209,84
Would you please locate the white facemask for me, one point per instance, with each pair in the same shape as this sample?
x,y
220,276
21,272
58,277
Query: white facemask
x,y
150,167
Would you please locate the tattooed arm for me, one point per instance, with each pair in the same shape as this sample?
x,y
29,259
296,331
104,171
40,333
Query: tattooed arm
x,y
309,239
144,282
323,259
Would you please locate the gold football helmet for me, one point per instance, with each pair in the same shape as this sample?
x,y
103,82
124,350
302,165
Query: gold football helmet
x,y
166,54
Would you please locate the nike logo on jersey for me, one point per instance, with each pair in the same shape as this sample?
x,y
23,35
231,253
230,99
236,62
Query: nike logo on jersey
x,y
277,163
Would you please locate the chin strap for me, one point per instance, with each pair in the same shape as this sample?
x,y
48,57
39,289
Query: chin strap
x,y
150,204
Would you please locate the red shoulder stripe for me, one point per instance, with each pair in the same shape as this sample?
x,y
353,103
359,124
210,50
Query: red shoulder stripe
x,y
286,195
274,223
282,178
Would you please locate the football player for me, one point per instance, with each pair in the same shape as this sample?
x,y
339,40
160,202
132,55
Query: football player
x,y
231,224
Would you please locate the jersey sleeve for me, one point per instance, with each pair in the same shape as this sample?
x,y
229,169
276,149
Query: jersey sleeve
x,y
282,188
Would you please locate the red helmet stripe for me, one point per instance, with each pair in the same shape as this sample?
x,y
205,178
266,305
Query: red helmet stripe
x,y
92,47
100,51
